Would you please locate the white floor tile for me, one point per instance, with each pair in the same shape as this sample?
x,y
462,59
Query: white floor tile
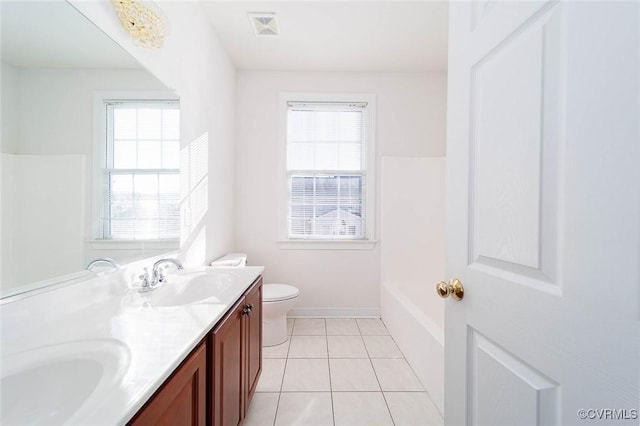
x,y
305,409
371,327
262,410
360,409
309,327
346,347
396,375
334,372
271,376
413,409
308,347
306,375
342,327
382,347
352,375
277,351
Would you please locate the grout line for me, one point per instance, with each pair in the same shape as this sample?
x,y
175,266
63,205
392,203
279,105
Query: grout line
x,y
286,360
326,339
377,379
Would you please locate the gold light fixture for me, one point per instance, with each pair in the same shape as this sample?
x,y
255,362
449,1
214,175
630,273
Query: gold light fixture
x,y
144,22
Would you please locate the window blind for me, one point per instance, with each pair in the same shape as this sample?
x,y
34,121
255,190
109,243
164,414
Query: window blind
x,y
326,173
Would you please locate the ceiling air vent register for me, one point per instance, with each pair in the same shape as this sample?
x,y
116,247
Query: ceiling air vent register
x,y
264,24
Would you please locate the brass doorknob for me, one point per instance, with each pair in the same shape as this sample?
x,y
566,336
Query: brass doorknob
x,y
453,288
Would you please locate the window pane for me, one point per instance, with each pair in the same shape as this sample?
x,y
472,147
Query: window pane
x,y
326,156
149,120
149,154
121,186
350,156
301,156
146,196
326,192
170,185
301,189
147,229
124,154
301,220
124,123
171,154
326,206
350,126
301,126
122,228
171,123
325,126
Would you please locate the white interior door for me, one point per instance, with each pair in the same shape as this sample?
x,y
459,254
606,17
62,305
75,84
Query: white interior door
x,y
543,213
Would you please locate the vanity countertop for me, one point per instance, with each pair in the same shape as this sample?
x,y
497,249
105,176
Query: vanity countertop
x,y
103,322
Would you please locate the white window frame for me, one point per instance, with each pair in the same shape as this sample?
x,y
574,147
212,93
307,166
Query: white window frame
x,y
100,159
369,157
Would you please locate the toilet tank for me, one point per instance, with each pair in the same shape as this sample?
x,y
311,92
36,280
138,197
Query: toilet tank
x,y
232,260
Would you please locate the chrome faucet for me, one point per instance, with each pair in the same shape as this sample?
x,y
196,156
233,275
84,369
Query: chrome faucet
x,y
110,261
157,275
157,278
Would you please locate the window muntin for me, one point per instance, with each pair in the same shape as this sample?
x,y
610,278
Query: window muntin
x,y
326,171
141,174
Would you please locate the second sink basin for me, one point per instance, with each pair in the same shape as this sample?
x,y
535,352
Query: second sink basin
x,y
51,385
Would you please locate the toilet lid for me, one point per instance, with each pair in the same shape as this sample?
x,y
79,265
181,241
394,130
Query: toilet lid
x,y
277,292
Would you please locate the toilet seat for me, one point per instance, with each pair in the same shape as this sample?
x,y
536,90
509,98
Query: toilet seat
x,y
278,292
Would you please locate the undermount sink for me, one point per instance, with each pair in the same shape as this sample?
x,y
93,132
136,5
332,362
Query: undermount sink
x,y
52,385
203,285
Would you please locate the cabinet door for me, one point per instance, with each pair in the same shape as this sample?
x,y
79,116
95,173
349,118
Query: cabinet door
x,y
181,401
228,355
253,342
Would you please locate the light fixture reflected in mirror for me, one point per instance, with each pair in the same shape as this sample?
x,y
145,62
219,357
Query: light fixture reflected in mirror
x,y
144,21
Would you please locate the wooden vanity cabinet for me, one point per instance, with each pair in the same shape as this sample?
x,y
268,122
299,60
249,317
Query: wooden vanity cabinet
x,y
216,382
253,327
236,359
181,401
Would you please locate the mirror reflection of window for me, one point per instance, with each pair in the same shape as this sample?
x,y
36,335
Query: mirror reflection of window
x,y
142,174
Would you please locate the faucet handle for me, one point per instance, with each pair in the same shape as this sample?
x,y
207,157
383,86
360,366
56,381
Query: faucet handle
x,y
145,280
161,277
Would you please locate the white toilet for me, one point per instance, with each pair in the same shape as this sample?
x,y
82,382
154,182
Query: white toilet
x,y
277,300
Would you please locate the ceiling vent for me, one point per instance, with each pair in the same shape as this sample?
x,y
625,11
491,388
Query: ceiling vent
x,y
264,24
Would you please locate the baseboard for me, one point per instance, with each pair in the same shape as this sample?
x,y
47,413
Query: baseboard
x,y
334,313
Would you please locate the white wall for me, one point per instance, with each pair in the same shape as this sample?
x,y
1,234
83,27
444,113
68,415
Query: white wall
x,y
8,109
410,121
55,106
48,213
193,63
8,143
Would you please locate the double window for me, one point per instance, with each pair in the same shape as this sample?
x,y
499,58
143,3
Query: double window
x,y
141,171
329,170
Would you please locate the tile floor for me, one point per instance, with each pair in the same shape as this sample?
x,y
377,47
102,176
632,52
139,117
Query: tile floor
x,y
339,372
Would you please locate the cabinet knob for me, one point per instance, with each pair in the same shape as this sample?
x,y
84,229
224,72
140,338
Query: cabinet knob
x,y
247,309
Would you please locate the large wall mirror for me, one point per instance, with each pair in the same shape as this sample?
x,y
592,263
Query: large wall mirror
x,y
90,150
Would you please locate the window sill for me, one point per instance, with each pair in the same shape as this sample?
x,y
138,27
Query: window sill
x,y
135,244
326,244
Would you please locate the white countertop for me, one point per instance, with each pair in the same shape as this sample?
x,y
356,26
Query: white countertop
x,y
150,341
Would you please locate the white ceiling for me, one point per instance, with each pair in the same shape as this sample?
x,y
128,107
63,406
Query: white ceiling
x,y
336,35
52,34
